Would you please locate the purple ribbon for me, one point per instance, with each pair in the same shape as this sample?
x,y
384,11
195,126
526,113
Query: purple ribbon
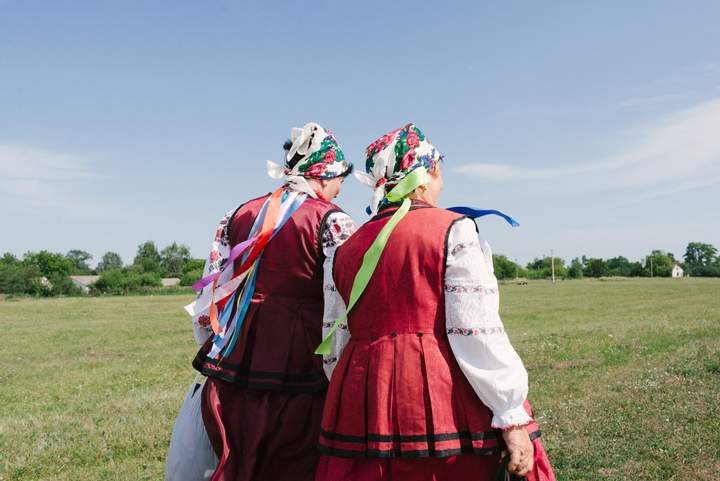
x,y
235,252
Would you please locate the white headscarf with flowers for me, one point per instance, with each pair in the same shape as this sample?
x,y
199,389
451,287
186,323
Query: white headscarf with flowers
x,y
392,157
321,158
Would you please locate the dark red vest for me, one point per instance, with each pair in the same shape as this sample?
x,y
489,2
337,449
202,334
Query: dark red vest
x,y
283,325
397,390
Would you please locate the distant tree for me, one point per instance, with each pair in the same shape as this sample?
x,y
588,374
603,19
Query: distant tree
x,y
541,268
194,265
618,266
504,267
147,258
192,272
637,270
575,271
25,277
20,279
9,259
110,260
122,281
699,255
49,263
191,277
713,270
173,259
662,263
594,267
80,260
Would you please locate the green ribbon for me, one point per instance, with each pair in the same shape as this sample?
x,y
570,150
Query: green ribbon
x,y
371,258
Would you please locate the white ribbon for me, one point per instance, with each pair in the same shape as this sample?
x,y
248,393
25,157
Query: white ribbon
x,y
382,168
378,190
297,183
303,140
303,143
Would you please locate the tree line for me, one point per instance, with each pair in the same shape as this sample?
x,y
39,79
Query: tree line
x,y
700,260
47,273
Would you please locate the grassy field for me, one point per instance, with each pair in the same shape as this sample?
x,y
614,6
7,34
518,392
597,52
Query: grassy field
x,y
624,377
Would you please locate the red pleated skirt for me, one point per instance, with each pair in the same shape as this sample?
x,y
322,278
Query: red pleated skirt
x,y
454,468
262,435
404,396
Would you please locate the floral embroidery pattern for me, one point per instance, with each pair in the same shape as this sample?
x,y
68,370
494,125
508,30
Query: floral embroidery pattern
x,y
338,229
204,320
455,289
474,331
463,245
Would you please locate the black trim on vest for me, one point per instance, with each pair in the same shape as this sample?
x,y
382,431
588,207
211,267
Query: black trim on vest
x,y
386,212
332,272
321,231
232,218
445,248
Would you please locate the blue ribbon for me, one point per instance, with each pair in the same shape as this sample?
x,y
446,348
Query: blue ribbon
x,y
475,213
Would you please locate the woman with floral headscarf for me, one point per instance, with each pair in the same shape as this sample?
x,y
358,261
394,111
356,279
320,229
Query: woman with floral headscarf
x,y
259,316
427,385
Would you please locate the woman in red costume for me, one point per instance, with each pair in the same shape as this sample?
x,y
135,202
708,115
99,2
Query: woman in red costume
x,y
425,384
260,310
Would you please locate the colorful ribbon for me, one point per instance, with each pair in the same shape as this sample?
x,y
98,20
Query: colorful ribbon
x,y
228,301
269,224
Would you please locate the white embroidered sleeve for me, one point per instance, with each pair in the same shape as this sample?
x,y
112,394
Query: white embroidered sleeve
x,y
339,226
219,252
475,331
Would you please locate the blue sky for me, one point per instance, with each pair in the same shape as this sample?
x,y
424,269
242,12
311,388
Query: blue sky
x,y
595,124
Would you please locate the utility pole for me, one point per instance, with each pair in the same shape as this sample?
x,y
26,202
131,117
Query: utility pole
x,y
552,264
651,267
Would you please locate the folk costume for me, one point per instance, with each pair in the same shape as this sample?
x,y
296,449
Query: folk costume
x,y
260,311
423,375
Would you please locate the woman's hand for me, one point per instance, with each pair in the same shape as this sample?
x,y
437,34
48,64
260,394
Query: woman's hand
x,y
521,450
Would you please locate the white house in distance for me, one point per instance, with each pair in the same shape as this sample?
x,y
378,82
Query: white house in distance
x,y
677,271
84,282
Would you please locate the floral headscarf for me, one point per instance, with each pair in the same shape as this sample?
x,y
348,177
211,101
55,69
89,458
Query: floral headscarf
x,y
321,158
393,156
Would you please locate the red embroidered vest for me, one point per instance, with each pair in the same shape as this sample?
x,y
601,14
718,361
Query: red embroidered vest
x,y
283,325
397,389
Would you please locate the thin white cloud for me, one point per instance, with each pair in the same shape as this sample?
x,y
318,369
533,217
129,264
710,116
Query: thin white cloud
x,y
36,178
680,151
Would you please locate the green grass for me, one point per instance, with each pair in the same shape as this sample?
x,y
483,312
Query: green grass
x,y
624,378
